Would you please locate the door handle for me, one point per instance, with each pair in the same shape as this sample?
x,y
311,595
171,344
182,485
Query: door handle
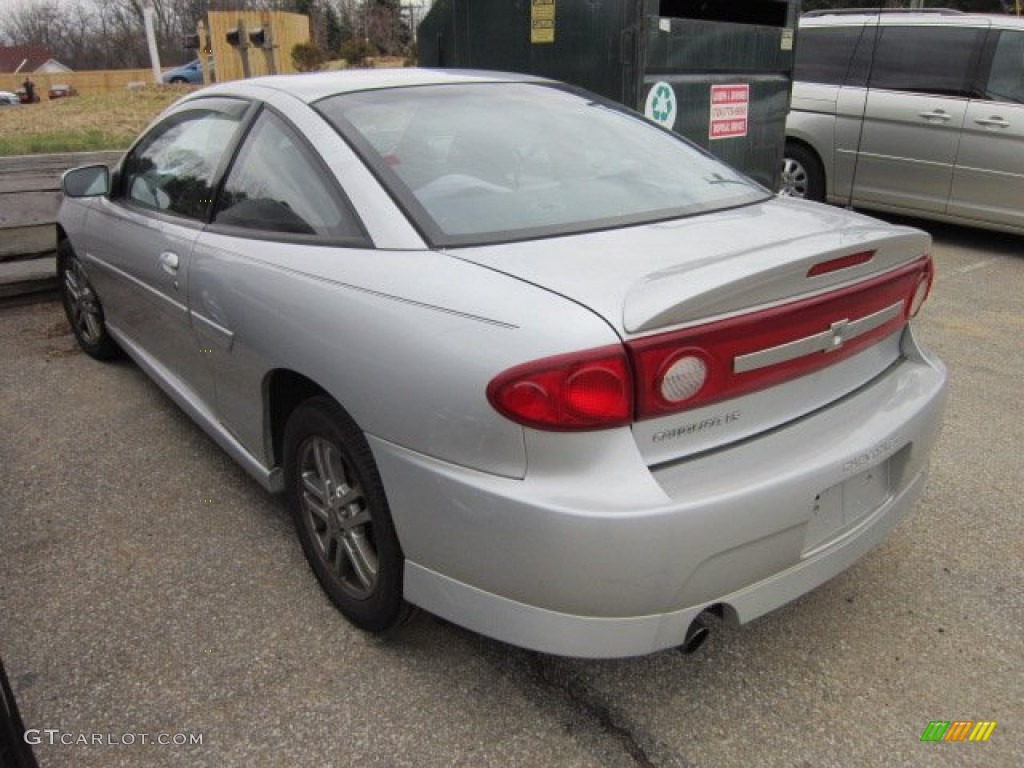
x,y
992,121
169,262
937,114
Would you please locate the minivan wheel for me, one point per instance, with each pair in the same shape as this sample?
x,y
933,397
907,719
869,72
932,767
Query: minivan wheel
x,y
802,174
341,515
82,306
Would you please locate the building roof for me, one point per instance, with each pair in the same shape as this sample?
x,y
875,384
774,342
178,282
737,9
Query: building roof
x,y
52,67
12,56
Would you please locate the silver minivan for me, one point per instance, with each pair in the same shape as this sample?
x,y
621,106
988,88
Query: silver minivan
x,y
917,113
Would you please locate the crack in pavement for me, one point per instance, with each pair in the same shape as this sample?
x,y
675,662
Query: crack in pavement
x,y
583,698
552,677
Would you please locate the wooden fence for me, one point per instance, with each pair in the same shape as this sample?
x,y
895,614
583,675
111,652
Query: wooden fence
x,y
97,81
284,30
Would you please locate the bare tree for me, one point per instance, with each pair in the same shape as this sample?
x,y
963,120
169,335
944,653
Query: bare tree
x,y
85,34
107,35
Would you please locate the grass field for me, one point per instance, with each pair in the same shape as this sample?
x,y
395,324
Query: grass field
x,y
82,123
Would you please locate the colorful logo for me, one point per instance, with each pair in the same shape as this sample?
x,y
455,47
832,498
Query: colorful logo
x,y
958,730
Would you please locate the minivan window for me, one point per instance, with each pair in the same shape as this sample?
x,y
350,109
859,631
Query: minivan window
x,y
1006,76
823,55
933,60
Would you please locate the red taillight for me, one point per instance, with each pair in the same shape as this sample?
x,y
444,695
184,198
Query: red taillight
x,y
591,390
751,352
843,262
672,372
924,287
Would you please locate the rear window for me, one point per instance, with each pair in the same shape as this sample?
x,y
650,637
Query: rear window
x,y
493,162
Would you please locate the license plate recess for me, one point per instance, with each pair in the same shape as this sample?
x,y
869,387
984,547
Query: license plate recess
x,y
841,507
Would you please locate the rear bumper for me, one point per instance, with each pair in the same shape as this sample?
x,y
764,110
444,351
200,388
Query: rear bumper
x,y
601,556
567,634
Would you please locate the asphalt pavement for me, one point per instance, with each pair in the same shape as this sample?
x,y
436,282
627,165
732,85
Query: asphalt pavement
x,y
151,592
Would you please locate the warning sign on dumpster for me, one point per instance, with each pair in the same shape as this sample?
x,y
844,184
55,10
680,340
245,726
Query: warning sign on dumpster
x,y
542,21
730,105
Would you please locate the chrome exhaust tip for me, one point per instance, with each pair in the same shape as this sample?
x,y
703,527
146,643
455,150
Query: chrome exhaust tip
x,y
696,634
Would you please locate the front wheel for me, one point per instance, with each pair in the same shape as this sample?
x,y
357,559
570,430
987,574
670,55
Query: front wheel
x,y
802,174
341,514
82,306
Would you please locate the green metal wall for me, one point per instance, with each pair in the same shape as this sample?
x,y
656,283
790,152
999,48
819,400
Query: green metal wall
x,y
495,34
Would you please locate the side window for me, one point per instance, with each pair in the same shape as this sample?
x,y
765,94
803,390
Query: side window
x,y
934,60
824,55
860,66
172,169
275,186
1006,75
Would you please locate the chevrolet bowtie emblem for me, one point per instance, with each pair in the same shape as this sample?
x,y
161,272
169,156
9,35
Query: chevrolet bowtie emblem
x,y
838,329
831,339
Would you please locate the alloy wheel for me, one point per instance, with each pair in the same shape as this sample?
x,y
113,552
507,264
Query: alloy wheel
x,y
83,308
338,516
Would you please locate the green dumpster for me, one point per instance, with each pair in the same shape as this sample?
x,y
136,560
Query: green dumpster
x,y
719,72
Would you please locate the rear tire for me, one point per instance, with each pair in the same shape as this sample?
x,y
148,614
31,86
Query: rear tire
x,y
341,515
802,174
82,306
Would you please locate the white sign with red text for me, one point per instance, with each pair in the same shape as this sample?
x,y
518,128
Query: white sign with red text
x,y
730,105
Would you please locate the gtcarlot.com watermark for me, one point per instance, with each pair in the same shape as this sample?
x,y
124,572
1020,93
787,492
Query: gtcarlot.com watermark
x,y
54,736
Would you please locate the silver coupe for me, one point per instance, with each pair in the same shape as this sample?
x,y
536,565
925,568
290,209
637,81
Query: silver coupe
x,y
514,354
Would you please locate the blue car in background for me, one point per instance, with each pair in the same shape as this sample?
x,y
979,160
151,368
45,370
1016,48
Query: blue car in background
x,y
186,73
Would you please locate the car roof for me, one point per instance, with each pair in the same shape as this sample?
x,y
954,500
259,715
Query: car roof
x,y
911,18
311,87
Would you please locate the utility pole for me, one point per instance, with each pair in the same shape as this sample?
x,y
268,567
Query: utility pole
x,y
154,54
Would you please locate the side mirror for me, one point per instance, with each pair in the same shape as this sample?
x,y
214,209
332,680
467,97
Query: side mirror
x,y
87,181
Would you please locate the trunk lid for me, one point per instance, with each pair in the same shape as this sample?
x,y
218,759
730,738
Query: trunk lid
x,y
648,280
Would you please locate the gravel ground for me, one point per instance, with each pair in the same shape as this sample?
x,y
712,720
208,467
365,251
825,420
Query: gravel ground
x,y
148,586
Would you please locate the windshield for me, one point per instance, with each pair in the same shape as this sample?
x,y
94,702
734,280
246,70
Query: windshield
x,y
492,162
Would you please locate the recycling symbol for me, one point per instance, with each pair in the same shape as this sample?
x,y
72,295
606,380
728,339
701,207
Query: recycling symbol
x,y
661,105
